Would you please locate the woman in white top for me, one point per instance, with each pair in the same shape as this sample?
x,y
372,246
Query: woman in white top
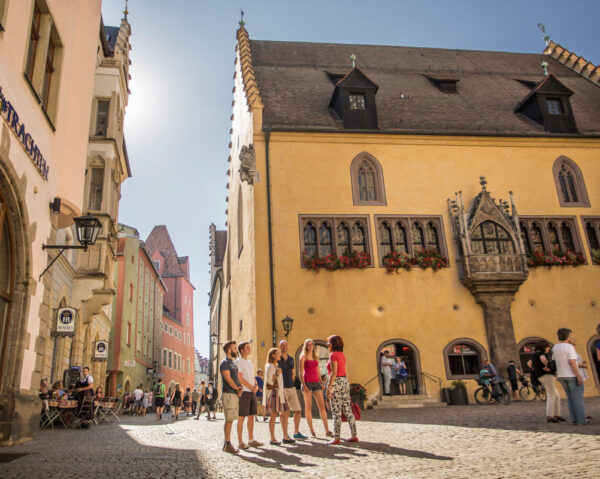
x,y
274,398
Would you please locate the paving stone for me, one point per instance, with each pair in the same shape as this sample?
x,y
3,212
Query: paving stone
x,y
491,441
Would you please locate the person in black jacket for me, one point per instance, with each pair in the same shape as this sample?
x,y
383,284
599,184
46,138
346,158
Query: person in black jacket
x,y
541,366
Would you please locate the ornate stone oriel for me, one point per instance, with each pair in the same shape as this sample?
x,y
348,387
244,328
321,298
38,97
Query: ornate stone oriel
x,y
248,171
491,263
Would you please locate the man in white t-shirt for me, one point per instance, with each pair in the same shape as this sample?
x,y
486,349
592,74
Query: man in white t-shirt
x,y
567,371
387,365
247,406
138,395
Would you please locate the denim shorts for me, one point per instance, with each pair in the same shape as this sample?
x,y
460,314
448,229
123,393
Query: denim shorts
x,y
312,387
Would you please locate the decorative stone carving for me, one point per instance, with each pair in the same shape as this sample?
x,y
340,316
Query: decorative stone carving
x,y
248,171
492,269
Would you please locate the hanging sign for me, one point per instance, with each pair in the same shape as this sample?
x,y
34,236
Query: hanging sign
x,y
65,321
7,110
101,350
129,363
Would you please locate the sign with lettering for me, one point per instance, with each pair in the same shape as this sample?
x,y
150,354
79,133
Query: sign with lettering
x,y
101,349
65,321
9,113
129,363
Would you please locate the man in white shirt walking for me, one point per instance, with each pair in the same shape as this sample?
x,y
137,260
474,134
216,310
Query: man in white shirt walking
x,y
247,406
138,395
567,371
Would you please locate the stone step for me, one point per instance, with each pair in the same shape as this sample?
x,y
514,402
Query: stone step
x,y
405,401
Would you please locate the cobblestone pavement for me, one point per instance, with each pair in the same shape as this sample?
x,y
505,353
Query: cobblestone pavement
x,y
450,442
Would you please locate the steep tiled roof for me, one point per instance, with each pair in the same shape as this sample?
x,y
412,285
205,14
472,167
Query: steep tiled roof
x,y
159,239
294,82
221,244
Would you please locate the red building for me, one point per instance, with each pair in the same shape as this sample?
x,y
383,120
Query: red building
x,y
177,355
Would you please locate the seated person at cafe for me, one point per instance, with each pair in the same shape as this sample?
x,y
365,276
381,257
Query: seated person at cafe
x,y
45,392
57,390
99,394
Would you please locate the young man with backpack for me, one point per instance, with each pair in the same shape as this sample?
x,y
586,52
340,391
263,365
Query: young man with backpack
x,y
159,398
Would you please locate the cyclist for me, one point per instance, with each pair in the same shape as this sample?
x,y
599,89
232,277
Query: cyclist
x,y
493,378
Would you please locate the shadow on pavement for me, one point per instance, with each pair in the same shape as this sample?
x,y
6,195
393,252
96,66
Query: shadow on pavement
x,y
519,416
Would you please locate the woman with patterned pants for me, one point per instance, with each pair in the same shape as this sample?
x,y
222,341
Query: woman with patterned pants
x,y
338,390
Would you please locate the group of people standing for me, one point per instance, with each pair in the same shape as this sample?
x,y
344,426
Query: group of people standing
x,y
562,362
279,395
396,370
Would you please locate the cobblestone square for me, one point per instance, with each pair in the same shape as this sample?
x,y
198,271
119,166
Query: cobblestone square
x,y
450,442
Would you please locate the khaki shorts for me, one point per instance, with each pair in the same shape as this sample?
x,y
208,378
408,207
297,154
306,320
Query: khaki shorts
x,y
291,398
231,404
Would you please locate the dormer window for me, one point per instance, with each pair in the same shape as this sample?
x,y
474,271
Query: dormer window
x,y
357,101
554,106
445,85
548,105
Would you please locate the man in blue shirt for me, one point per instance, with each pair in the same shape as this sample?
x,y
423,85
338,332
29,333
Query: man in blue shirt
x,y
286,363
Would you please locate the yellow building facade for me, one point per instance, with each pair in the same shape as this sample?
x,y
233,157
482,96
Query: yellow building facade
x,y
311,175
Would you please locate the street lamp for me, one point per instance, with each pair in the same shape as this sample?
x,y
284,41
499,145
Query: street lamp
x,y
213,338
287,325
87,228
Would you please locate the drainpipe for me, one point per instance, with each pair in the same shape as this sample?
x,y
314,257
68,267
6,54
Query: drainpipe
x,y
268,168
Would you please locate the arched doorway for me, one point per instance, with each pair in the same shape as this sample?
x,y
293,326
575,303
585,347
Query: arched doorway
x,y
128,386
594,362
409,353
526,349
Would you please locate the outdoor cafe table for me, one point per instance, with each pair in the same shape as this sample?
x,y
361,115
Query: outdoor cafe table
x,y
65,409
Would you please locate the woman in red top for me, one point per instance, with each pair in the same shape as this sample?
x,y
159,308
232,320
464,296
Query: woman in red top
x,y
339,389
311,385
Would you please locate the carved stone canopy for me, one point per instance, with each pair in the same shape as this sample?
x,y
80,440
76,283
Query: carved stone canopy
x,y
248,171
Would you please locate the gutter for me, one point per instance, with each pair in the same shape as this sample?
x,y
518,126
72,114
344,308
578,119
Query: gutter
x,y
271,274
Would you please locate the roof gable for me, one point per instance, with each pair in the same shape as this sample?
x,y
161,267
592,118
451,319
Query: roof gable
x,y
159,239
356,79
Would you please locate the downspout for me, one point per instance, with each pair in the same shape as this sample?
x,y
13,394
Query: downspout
x,y
268,168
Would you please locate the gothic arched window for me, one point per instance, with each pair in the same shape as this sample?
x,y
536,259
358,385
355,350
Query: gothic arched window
x,y
525,238
567,237
367,181
569,183
553,238
418,238
385,238
325,240
400,238
310,239
432,236
343,238
489,237
358,238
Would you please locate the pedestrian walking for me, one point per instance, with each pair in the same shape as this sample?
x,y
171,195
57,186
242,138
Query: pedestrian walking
x,y
176,401
167,404
288,371
201,399
138,395
311,386
232,391
145,402
187,402
260,382
195,399
582,365
274,399
247,403
513,375
159,398
568,375
338,390
211,398
401,373
387,365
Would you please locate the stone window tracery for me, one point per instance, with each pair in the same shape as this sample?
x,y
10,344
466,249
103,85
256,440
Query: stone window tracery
x,y
569,183
491,238
367,181
550,234
591,225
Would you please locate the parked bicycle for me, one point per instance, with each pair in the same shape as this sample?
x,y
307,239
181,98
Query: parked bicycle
x,y
485,394
530,392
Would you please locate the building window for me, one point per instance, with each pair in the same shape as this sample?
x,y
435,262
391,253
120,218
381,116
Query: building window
x,y
569,183
357,101
187,319
392,234
240,221
554,106
367,181
164,357
49,72
170,359
591,225
2,12
526,349
102,109
139,341
156,264
322,236
463,359
34,39
188,365
96,186
130,292
166,328
171,330
7,276
555,234
491,238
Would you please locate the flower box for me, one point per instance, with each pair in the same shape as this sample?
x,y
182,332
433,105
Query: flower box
x,y
424,258
332,262
558,258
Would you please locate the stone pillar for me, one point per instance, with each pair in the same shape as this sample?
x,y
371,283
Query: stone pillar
x,y
499,328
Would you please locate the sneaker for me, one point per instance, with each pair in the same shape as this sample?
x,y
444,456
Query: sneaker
x,y
243,446
352,439
329,434
299,435
274,443
255,443
228,447
334,442
289,441
313,434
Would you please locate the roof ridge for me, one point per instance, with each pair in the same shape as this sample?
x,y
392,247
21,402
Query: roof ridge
x,y
247,68
573,61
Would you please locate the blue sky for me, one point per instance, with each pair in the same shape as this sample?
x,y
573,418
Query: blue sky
x,y
177,123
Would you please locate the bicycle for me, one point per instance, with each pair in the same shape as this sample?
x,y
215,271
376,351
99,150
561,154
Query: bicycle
x,y
485,395
529,392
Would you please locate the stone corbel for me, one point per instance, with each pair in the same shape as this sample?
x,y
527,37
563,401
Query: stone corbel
x,y
247,170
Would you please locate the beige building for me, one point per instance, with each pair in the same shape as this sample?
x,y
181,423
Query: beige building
x,y
54,63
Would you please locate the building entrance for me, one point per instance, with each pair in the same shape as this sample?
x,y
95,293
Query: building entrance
x,y
408,353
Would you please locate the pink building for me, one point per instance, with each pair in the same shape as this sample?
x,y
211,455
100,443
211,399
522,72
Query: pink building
x,y
177,348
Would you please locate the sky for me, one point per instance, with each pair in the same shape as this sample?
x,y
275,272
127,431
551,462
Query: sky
x,y
178,118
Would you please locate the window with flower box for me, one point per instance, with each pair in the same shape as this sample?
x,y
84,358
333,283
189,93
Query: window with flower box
x,y
547,239
323,236
591,225
409,235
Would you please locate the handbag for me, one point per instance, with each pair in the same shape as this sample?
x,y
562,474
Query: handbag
x,y
355,412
